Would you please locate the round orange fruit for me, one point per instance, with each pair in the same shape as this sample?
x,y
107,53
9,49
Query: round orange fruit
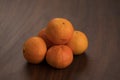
x,y
42,34
34,50
78,43
59,56
59,30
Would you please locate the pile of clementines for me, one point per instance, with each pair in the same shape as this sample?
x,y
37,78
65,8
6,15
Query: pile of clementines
x,y
57,43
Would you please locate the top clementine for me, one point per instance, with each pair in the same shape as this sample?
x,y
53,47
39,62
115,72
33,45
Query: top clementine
x,y
59,30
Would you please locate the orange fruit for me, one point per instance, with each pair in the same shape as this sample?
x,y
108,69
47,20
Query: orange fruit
x,y
42,34
34,50
59,56
78,43
59,30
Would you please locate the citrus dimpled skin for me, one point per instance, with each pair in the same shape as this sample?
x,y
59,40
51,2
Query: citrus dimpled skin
x,y
42,34
34,50
78,43
59,30
59,56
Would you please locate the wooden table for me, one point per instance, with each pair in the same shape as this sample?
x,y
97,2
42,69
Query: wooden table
x,y
99,19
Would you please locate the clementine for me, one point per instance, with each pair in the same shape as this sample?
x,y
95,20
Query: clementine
x,y
59,30
34,50
78,43
42,34
59,56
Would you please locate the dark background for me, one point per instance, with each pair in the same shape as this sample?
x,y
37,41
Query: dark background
x,y
99,19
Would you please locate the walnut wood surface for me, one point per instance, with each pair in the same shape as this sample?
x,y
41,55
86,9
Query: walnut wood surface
x,y
99,19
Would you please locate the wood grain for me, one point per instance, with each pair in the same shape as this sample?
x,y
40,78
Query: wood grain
x,y
99,19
